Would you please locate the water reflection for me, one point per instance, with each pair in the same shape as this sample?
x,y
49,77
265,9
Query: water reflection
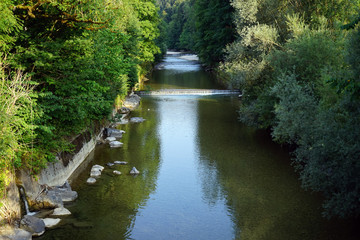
x,y
203,176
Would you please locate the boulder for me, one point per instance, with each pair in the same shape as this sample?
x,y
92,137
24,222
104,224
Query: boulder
x,y
115,144
116,172
65,194
46,199
91,180
113,132
34,225
51,222
132,101
137,120
120,162
60,212
134,171
16,234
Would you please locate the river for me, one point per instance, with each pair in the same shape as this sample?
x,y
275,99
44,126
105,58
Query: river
x,y
203,175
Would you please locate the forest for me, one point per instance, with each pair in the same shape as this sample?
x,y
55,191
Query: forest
x,y
64,65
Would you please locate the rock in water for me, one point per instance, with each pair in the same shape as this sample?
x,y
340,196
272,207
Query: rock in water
x,y
34,225
95,173
115,144
113,133
91,180
61,211
110,164
134,171
110,139
120,162
116,172
51,222
137,120
97,167
16,234
132,101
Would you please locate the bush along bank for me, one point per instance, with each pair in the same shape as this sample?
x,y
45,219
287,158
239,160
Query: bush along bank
x,y
61,67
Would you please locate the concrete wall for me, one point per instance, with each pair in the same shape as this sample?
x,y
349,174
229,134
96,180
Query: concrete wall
x,y
59,171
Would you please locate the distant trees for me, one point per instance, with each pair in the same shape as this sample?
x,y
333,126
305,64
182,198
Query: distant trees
x,y
204,27
75,58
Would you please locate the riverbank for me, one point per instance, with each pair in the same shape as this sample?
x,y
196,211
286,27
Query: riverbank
x,y
47,193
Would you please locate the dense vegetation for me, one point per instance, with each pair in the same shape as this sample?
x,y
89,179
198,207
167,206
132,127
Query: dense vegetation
x,y
297,63
202,26
63,62
63,65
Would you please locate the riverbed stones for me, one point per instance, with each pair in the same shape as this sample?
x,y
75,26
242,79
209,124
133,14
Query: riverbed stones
x,y
134,171
110,139
113,132
132,101
16,234
91,180
61,211
51,222
34,225
116,172
110,164
115,144
97,168
137,120
120,162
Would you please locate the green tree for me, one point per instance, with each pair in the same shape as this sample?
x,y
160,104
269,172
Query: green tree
x,y
214,29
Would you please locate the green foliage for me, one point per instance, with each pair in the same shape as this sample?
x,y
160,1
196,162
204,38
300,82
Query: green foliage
x,y
299,74
82,56
214,29
16,121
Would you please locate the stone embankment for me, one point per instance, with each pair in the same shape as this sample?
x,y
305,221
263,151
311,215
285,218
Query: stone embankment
x,y
50,190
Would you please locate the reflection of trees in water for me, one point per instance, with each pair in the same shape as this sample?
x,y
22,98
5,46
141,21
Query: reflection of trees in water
x,y
112,203
261,189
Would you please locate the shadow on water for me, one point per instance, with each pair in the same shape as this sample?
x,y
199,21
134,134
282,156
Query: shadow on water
x,y
254,174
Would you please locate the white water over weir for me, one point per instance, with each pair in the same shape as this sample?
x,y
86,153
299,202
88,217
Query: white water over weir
x,y
176,92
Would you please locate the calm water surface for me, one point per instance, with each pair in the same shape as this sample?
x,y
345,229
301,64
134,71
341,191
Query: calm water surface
x,y
203,176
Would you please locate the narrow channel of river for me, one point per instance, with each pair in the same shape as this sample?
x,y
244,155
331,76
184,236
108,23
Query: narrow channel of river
x,y
203,175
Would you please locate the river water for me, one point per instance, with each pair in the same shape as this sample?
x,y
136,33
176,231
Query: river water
x,y
203,175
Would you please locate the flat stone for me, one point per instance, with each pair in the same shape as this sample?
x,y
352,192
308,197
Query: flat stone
x,y
61,211
137,120
68,196
113,132
16,234
91,180
120,162
95,173
110,164
116,172
51,222
134,171
115,144
110,139
34,225
97,167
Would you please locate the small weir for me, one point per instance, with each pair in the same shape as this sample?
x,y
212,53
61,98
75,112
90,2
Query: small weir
x,y
176,92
